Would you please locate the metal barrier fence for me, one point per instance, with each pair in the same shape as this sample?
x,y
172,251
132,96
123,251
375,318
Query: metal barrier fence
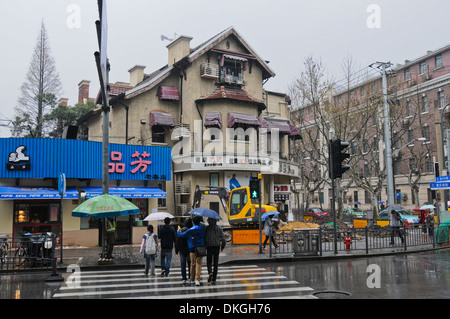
x,y
319,241
28,252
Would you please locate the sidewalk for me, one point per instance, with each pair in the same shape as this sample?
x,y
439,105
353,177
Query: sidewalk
x,y
128,256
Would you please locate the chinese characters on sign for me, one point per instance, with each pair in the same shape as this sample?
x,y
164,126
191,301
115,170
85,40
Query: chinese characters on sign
x,y
139,164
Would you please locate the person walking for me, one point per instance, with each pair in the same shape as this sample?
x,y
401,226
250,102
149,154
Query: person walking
x,y
149,248
395,223
430,223
182,247
110,236
197,248
168,238
269,227
215,243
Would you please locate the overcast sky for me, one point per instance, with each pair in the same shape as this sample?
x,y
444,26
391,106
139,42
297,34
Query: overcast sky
x,y
283,32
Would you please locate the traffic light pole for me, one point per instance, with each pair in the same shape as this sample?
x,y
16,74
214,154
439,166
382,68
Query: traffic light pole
x,y
260,215
336,170
387,137
333,195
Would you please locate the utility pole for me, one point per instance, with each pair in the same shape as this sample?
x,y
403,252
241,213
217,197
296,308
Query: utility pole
x,y
383,66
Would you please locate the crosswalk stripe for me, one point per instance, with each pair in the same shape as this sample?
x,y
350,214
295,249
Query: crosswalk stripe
x,y
171,270
167,280
170,289
135,272
234,293
116,286
242,281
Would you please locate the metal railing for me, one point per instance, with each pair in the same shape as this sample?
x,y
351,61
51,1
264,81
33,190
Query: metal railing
x,y
319,241
28,252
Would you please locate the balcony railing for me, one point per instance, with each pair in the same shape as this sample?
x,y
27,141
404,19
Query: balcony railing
x,y
270,163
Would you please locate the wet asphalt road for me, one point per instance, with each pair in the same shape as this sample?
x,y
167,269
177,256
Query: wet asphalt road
x,y
420,275
417,275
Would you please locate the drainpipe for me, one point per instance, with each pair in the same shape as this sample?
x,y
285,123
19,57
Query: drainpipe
x,y
181,99
201,136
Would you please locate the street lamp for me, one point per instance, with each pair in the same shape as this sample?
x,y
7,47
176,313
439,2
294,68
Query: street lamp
x,y
395,152
420,139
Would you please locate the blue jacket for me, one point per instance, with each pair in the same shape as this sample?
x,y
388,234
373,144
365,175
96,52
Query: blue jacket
x,y
197,233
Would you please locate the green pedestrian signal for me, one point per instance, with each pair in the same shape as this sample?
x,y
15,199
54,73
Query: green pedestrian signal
x,y
254,189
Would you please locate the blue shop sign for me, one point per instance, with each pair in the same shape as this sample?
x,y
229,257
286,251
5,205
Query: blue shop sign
x,y
47,158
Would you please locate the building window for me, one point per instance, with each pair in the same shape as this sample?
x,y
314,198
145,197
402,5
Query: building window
x,y
410,136
409,108
438,60
355,196
231,72
158,135
425,104
423,67
429,165
407,74
214,179
367,197
426,132
441,99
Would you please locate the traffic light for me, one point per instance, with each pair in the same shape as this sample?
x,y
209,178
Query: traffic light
x,y
254,189
337,169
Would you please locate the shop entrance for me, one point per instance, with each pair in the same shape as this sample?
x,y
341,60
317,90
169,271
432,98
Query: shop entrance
x,y
123,231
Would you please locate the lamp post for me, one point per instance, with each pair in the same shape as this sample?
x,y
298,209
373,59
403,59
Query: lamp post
x,y
395,152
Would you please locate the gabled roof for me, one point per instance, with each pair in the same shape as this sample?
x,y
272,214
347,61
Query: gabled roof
x,y
211,43
158,76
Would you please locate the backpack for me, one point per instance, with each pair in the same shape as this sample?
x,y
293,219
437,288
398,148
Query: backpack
x,y
150,245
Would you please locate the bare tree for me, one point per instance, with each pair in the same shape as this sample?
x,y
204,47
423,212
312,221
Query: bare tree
x,y
39,92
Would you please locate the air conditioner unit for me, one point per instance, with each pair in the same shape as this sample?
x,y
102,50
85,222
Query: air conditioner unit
x,y
208,70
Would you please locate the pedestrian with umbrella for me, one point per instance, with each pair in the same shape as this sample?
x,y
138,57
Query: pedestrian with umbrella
x,y
168,237
149,249
182,247
270,225
215,243
395,223
197,249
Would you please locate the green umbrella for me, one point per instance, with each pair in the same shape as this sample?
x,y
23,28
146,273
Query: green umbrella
x,y
105,206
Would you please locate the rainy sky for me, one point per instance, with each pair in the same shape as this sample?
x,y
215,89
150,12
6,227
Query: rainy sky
x,y
283,32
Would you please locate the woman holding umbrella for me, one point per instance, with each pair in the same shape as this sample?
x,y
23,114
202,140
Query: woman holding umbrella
x,y
270,225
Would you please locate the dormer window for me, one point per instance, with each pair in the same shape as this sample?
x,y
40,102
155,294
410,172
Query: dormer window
x,y
231,69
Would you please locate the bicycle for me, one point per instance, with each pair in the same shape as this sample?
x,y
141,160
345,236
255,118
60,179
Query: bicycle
x,y
21,253
4,250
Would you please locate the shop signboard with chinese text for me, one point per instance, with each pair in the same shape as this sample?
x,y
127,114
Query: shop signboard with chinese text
x,y
46,158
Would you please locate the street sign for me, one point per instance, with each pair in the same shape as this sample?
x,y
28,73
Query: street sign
x,y
443,178
62,184
442,185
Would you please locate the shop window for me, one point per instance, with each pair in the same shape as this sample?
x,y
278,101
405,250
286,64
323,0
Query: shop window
x,y
36,217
